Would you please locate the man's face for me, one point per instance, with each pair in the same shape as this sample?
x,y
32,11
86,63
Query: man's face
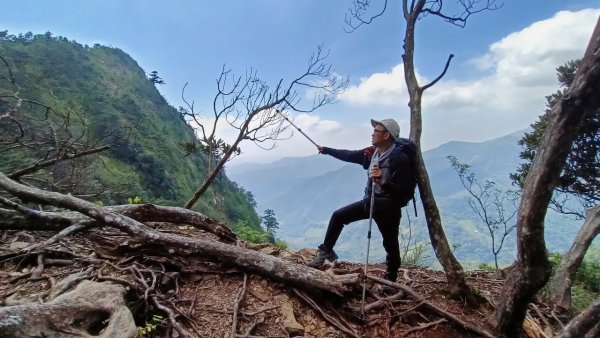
x,y
379,136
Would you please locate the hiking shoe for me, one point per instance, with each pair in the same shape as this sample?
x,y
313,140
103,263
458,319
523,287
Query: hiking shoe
x,y
323,255
387,290
391,276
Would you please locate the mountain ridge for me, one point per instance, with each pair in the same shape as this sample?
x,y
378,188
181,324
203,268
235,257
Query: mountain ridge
x,y
303,206
112,95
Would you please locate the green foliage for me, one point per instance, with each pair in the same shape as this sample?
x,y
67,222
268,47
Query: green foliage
x,y
487,267
135,200
586,286
155,79
250,234
270,223
580,178
111,95
281,244
416,255
149,329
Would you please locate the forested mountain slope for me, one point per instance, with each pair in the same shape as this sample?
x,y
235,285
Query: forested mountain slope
x,y
105,92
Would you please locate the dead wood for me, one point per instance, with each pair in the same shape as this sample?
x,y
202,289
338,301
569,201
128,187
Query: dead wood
x,y
585,322
433,307
236,306
424,326
325,315
242,258
383,301
22,218
158,213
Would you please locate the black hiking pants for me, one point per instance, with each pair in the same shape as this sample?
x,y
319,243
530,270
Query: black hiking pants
x,y
386,214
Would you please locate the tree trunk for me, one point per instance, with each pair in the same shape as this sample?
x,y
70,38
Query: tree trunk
x,y
457,283
56,221
211,175
532,269
583,323
245,259
158,213
560,285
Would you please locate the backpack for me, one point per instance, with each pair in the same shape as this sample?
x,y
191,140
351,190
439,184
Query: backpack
x,y
409,148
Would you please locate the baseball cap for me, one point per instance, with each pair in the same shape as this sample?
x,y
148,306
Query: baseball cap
x,y
390,125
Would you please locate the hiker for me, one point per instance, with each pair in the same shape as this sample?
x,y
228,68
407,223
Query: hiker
x,y
389,165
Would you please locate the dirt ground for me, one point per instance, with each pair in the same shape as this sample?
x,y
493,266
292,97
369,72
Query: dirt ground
x,y
213,300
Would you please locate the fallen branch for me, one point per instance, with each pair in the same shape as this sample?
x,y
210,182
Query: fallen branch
x,y
249,260
44,164
433,307
158,213
383,301
172,317
423,326
325,316
236,306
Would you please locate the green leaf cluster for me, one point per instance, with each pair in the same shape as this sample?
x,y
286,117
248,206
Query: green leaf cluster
x,y
586,286
251,234
580,178
150,327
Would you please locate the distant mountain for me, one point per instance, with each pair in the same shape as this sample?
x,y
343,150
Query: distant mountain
x,y
113,94
304,192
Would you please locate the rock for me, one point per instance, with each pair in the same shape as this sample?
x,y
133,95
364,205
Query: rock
x,y
285,254
269,250
18,245
289,319
260,293
92,309
308,253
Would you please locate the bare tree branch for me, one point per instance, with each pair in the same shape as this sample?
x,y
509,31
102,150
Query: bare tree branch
x,y
44,164
439,76
257,111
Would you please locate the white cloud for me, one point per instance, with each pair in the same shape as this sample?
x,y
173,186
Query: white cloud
x,y
518,71
314,122
526,55
523,65
387,89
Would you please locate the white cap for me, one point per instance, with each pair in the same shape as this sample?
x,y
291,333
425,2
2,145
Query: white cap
x,y
390,125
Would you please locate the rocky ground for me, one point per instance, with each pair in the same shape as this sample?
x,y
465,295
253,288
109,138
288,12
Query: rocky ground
x,y
190,296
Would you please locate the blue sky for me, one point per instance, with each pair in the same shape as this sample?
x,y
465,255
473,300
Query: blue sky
x,y
504,61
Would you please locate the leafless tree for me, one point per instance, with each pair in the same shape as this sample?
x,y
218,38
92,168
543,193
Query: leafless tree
x,y
495,208
532,269
412,11
46,144
258,111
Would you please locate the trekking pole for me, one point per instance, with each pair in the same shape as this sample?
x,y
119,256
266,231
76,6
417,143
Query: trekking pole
x,y
362,311
300,130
